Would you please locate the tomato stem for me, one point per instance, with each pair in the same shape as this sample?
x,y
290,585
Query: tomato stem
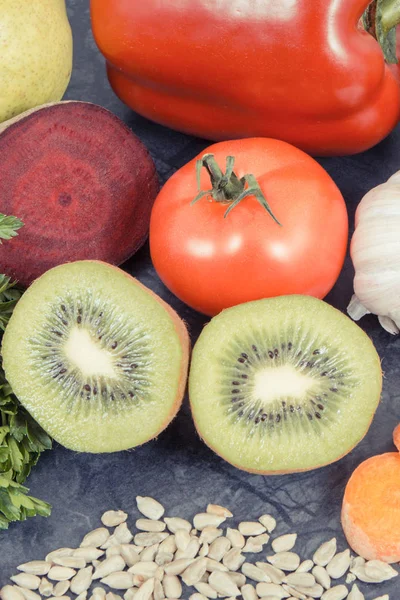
x,y
227,187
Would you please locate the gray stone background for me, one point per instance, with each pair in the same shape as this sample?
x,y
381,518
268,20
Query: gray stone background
x,y
178,468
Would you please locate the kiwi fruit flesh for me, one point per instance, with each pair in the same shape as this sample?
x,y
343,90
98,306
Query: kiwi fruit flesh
x,y
284,384
96,358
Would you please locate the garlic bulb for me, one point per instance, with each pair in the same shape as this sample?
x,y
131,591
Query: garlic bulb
x,y
375,251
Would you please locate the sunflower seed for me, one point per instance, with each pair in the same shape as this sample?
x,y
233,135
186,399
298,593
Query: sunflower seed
x,y
300,579
108,566
26,580
287,561
158,593
120,580
82,596
75,562
322,576
355,594
191,550
159,574
149,553
113,551
219,548
10,592
238,578
35,567
197,596
195,571
59,552
252,546
204,549
129,594
339,592
163,558
205,589
385,597
175,523
148,539
61,588
112,596
275,575
182,539
233,559
100,593
145,592
214,565
168,545
202,520
254,572
121,535
59,598
178,566
220,511
46,588
271,589
150,525
356,562
209,534
316,591
350,578
61,573
82,581
325,553
28,594
112,518
149,507
284,543
248,592
129,554
305,566
88,554
172,586
146,569
261,539
96,538
268,522
247,528
339,564
223,584
379,571
293,592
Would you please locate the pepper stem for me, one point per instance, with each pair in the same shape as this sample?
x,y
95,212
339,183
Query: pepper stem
x,y
380,20
227,187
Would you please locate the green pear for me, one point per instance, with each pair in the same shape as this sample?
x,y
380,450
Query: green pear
x,y
35,54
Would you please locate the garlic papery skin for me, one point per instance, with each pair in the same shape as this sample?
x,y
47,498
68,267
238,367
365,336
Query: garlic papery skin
x,y
375,252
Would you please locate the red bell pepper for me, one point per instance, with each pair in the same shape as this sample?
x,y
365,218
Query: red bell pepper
x,y
297,70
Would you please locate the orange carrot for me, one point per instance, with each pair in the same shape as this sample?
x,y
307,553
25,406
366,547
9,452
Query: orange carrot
x,y
396,437
371,507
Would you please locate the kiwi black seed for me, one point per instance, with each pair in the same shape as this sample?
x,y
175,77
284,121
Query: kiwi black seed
x,y
284,384
98,359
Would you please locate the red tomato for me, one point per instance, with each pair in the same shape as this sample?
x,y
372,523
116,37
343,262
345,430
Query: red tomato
x,y
212,262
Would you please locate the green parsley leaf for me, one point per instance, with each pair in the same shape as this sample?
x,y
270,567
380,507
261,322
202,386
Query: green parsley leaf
x,y
9,226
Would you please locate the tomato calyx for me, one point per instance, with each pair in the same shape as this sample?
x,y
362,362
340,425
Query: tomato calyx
x,y
380,20
227,188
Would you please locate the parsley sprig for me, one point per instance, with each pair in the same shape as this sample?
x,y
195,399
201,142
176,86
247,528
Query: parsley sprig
x,y
22,440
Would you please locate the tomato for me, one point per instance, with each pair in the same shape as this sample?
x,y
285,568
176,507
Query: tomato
x,y
212,261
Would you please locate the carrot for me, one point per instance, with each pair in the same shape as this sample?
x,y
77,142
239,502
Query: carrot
x,y
371,507
396,437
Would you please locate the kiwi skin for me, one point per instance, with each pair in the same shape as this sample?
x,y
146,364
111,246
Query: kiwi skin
x,y
285,471
183,336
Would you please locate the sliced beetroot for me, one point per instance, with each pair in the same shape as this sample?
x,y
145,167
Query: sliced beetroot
x,y
82,183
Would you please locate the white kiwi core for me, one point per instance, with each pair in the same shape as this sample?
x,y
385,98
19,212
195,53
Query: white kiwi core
x,y
284,381
83,352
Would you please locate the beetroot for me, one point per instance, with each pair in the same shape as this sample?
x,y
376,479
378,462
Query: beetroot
x,y
82,183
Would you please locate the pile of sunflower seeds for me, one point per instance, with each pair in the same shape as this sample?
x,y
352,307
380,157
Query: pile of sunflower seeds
x,y
165,553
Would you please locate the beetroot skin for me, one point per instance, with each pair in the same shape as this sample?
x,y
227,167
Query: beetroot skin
x,y
82,183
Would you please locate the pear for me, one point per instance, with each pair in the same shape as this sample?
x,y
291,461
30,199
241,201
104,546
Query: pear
x,y
36,54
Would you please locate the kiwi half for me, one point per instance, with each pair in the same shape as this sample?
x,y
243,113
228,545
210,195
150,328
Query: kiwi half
x,y
96,358
284,384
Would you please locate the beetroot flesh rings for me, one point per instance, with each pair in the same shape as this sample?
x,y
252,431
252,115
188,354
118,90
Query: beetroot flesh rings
x,y
82,183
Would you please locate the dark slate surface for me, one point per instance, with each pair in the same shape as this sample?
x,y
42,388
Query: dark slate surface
x,y
177,468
